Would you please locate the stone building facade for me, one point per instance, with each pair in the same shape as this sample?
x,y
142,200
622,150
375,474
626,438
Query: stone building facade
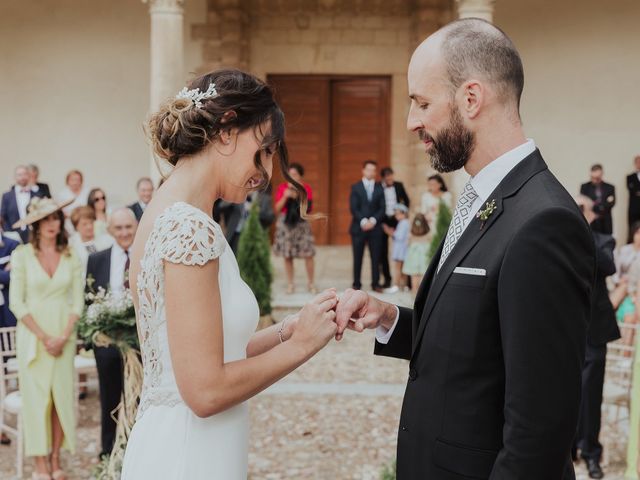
x,y
78,78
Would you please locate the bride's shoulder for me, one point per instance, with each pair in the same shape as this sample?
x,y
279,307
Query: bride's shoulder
x,y
188,235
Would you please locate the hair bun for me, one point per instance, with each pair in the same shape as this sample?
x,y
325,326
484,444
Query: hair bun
x,y
179,129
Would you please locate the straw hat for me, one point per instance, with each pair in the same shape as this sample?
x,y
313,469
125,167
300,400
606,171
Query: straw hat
x,y
38,209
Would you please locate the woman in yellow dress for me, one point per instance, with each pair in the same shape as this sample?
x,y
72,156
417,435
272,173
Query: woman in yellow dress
x,y
47,298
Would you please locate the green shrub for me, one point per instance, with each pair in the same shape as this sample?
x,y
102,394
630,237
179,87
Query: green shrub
x,y
254,259
389,472
442,225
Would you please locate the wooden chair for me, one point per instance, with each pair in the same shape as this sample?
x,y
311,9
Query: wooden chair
x,y
10,401
616,399
85,365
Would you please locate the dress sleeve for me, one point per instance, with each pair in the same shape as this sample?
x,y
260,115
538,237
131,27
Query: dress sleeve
x,y
18,290
77,285
307,187
190,237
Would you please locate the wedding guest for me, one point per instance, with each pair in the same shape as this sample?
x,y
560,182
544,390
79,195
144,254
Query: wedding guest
x,y
144,187
417,258
75,191
15,201
604,198
436,192
633,441
293,237
603,328
7,246
98,201
47,298
400,235
7,319
394,193
625,282
36,186
109,269
84,241
633,185
627,254
367,205
234,215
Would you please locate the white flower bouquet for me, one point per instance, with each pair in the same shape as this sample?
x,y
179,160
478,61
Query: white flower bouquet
x,y
109,319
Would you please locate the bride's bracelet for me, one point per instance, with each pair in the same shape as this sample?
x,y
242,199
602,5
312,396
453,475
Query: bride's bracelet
x,y
281,329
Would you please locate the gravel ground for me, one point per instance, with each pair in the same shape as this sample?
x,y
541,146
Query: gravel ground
x,y
323,431
301,436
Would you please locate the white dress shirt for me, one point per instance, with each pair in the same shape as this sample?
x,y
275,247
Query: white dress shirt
x,y
484,183
23,197
116,275
390,199
369,187
100,242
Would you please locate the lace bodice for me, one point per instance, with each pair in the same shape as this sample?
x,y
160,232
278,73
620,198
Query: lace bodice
x,y
184,234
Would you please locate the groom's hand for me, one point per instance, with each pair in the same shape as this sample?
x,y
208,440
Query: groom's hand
x,y
358,311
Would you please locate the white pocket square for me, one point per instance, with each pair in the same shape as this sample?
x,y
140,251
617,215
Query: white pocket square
x,y
478,272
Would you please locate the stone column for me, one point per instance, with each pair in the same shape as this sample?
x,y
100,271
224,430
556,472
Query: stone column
x,y
167,51
476,8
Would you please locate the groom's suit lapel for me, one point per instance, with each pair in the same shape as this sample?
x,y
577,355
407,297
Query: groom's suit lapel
x,y
429,294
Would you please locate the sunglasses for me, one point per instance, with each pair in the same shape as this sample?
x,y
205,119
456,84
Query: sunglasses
x,y
98,198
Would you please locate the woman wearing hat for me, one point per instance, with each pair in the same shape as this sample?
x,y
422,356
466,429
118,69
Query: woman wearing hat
x,y
47,298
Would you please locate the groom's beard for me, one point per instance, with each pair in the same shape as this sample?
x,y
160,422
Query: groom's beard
x,y
452,146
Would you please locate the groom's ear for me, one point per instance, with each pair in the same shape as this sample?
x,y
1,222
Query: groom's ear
x,y
473,98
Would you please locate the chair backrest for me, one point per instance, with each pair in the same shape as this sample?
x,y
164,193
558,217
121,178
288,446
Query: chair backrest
x,y
7,354
621,358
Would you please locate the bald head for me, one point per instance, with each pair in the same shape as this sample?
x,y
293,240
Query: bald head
x,y
122,227
475,49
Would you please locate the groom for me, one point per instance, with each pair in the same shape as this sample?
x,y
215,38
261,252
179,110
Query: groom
x,y
496,338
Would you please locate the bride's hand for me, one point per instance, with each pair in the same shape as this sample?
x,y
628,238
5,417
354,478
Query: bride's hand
x,y
315,324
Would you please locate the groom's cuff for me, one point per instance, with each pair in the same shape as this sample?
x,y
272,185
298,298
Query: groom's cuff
x,y
382,334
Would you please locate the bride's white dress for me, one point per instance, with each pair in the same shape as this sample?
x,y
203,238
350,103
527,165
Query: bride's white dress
x,y
168,440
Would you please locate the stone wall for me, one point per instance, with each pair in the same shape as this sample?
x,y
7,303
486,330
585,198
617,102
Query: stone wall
x,y
325,37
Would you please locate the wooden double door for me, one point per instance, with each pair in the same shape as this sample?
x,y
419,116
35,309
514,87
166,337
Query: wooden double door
x,y
334,124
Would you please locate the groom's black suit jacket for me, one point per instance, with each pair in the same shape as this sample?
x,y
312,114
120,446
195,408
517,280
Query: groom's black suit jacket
x,y
495,360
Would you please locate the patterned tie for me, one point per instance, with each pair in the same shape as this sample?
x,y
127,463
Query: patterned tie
x,y
460,218
126,270
91,248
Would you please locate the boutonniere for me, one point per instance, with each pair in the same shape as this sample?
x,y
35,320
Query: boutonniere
x,y
484,215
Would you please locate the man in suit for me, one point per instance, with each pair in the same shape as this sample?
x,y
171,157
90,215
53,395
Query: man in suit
x,y
604,198
235,215
109,269
15,202
633,184
367,211
36,186
394,193
144,187
496,338
603,328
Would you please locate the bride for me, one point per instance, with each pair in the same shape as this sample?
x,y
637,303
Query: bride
x,y
196,317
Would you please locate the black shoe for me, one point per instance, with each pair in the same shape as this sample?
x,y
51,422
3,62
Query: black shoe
x,y
4,440
82,395
593,467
